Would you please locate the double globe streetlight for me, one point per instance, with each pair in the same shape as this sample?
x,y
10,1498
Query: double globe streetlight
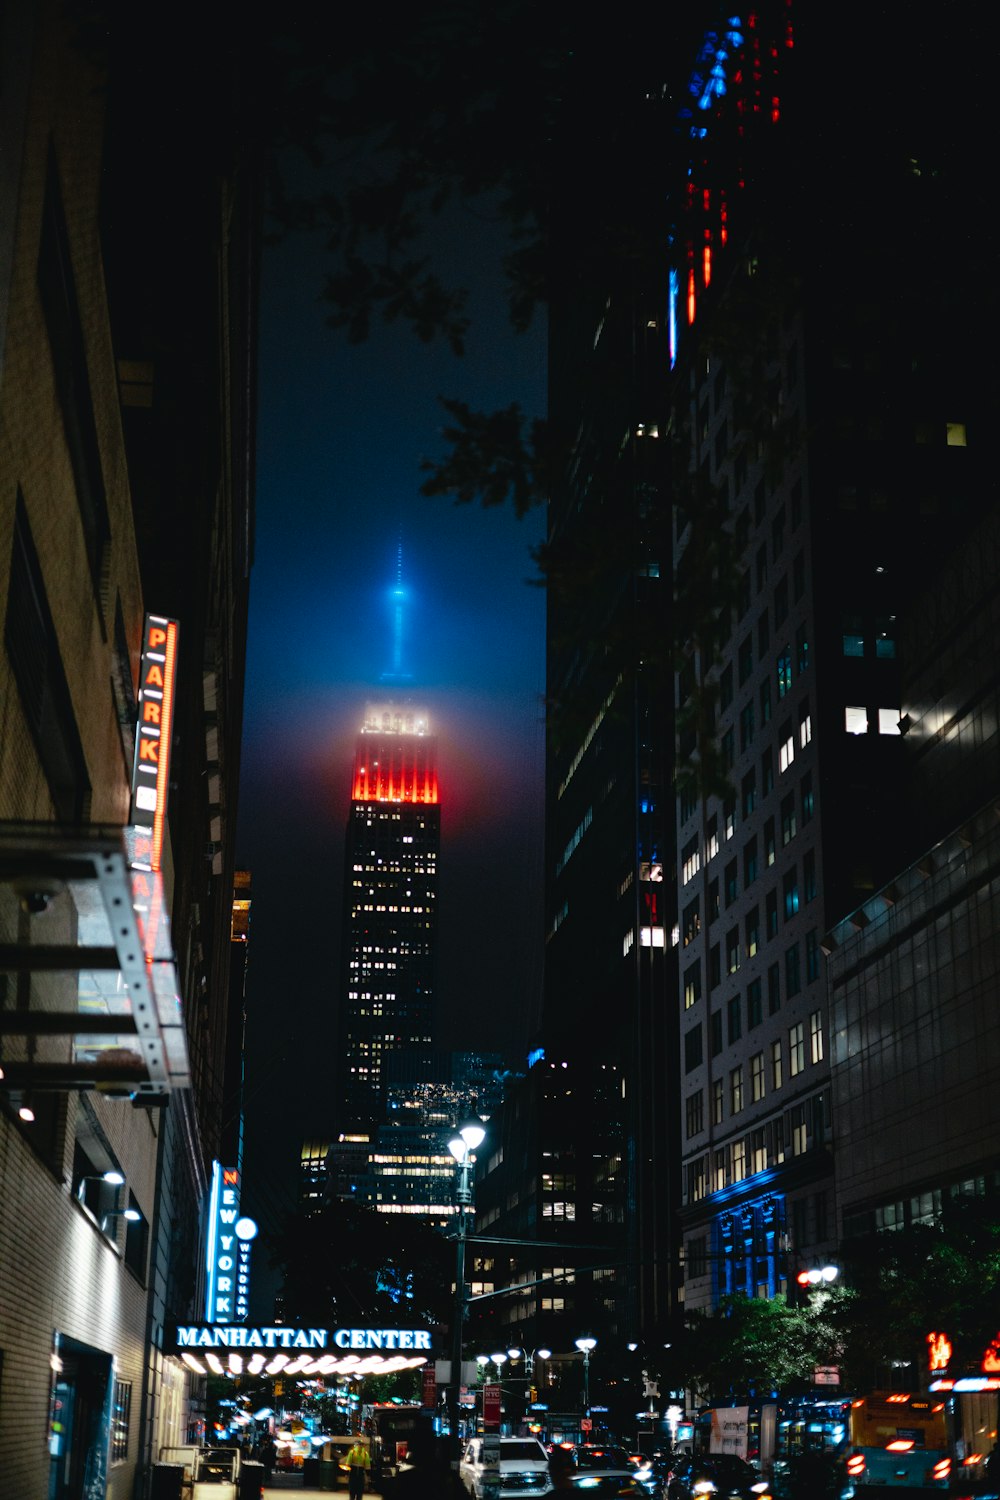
x,y
463,1147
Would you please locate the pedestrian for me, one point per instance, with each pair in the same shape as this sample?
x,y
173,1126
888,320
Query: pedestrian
x,y
358,1463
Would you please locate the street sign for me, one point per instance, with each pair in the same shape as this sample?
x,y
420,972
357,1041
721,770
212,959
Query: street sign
x,y
586,1425
826,1375
491,1457
491,1411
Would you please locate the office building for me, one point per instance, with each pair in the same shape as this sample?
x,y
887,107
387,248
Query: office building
x,y
126,366
825,431
389,930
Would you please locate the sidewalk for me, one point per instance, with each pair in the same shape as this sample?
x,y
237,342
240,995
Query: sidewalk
x,y
283,1486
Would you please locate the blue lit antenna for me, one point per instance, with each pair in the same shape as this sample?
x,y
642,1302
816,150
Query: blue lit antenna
x,y
398,596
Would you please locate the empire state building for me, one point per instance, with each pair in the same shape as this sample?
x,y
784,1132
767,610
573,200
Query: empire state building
x,y
390,920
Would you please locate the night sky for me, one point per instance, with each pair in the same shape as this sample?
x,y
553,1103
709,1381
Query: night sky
x,y
342,430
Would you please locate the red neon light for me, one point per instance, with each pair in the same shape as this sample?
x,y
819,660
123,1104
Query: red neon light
x,y
394,770
691,302
166,734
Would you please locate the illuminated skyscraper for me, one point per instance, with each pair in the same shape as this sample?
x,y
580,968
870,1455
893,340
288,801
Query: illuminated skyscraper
x,y
390,919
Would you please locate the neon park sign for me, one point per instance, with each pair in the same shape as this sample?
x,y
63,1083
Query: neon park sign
x,y
154,732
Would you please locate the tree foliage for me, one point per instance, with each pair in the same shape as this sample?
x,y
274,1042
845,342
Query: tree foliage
x,y
939,1277
750,1346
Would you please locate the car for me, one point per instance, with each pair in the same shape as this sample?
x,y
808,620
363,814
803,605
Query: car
x,y
716,1476
603,1456
523,1467
607,1484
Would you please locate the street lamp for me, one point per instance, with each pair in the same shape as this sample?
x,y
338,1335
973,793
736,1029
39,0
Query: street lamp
x,y
585,1346
462,1147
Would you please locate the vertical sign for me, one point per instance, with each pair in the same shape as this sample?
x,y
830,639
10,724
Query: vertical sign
x,y
222,1251
154,732
429,1389
491,1407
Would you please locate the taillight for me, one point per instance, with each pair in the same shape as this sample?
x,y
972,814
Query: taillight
x,y
856,1465
940,1471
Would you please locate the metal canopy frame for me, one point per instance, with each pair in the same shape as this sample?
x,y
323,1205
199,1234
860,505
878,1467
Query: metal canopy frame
x,y
88,982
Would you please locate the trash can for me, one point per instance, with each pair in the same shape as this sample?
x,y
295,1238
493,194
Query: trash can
x,y
167,1482
328,1473
310,1473
252,1478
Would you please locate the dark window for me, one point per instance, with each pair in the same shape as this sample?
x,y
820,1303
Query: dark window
x,y
885,636
136,1242
752,926
761,569
767,772
726,688
694,1110
765,701
796,504
732,950
727,749
812,956
746,727
713,900
734,1019
771,914
781,601
746,658
716,1034
763,635
773,990
798,576
769,842
790,887
714,966
802,648
793,972
69,365
759,502
748,793
745,593
809,876
788,826
732,883
806,790
692,1049
754,1004
853,636
33,649
778,533
749,862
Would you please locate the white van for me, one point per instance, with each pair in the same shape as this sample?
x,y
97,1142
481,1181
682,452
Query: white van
x,y
524,1467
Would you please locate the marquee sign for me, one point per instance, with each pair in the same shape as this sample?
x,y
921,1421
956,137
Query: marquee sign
x,y
154,733
220,1336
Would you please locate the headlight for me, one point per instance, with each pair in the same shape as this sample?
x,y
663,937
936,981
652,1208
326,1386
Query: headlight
x,y
703,1487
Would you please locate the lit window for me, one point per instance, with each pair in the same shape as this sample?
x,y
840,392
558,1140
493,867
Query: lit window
x,y
799,1141
805,728
776,1065
736,1090
956,434
796,1050
718,1102
739,1153
757,1077
855,719
816,1037
888,720
786,753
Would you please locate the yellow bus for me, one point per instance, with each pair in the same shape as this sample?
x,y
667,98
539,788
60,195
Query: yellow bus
x,y
897,1441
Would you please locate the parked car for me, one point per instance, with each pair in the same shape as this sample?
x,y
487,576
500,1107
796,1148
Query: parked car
x,y
719,1476
523,1469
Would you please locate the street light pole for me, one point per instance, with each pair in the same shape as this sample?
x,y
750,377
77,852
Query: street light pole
x,y
585,1346
462,1146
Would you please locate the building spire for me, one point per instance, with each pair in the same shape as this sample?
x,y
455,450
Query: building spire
x,y
398,598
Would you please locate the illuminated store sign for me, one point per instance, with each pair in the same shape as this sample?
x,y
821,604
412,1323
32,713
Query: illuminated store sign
x,y
154,732
225,1297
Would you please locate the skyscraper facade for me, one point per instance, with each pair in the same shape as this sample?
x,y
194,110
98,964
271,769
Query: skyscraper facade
x,y
390,916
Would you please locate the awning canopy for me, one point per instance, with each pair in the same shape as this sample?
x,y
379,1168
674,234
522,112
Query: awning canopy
x,y
88,983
